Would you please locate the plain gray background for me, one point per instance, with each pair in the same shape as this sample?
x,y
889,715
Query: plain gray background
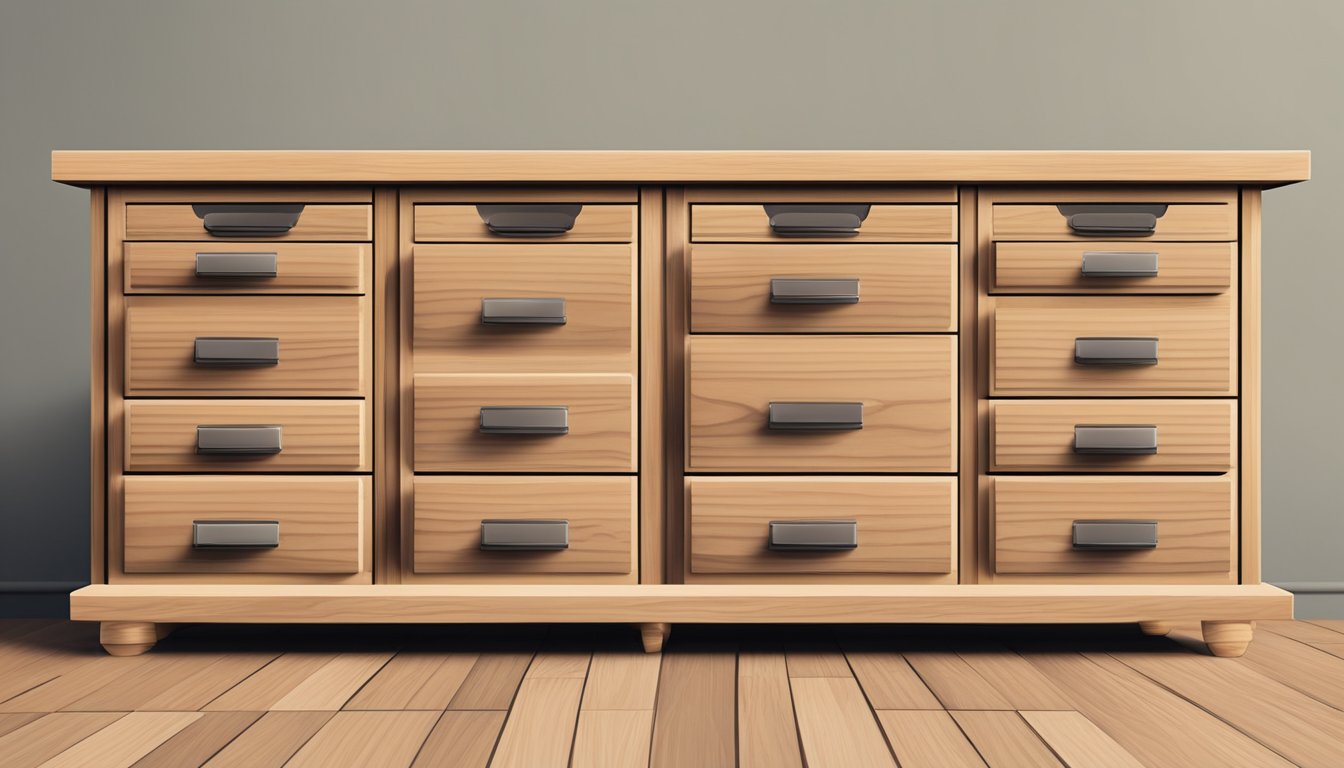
x,y
689,74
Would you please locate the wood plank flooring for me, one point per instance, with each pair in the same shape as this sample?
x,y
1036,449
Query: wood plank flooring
x,y
755,697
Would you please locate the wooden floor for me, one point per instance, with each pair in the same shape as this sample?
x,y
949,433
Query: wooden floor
x,y
767,697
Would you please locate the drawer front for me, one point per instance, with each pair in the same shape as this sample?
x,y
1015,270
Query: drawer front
x,y
457,223
510,526
178,221
1113,267
1035,346
451,434
899,288
246,268
1181,221
906,386
728,223
1034,521
244,435
900,525
322,345
292,525
1112,436
464,321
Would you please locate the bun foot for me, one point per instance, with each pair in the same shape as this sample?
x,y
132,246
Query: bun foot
x,y
1227,638
654,635
129,638
1156,628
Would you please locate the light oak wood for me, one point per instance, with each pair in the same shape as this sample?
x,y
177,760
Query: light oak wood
x,y
38,742
316,435
1192,268
324,345
888,680
332,685
448,513
955,682
1038,435
728,223
123,742
493,681
767,733
463,739
316,222
1182,221
653,453
415,680
612,739
622,680
127,638
1033,346
676,321
907,385
1227,638
372,739
902,288
322,524
602,423
1005,740
271,741
98,395
653,636
923,739
1156,628
540,728
198,742
1033,519
754,194
971,383
261,691
336,268
597,282
905,525
835,725
601,223
696,705
1078,741
1251,388
474,194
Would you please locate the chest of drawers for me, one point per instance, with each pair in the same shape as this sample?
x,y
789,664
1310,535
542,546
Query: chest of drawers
x,y
660,387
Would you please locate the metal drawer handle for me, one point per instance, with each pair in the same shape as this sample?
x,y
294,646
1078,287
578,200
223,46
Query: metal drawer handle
x,y
813,535
828,290
235,534
1115,439
524,535
523,311
1120,264
248,219
238,439
237,265
817,220
1115,350
1114,535
529,219
525,420
816,416
1124,219
236,352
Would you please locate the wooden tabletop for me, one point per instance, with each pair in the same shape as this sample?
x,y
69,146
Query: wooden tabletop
x,y
1257,168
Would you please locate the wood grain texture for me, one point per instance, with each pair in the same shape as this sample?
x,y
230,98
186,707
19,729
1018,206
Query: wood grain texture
x,y
260,691
902,288
924,739
754,194
123,742
956,683
885,224
366,740
835,725
324,347
386,396
179,222
198,742
332,685
1038,435
602,423
540,730
907,385
767,732
1182,221
1004,740
271,741
1251,387
1191,268
50,735
415,680
654,457
492,682
334,268
316,436
461,739
696,705
1033,345
888,681
612,738
622,680
601,223
1078,741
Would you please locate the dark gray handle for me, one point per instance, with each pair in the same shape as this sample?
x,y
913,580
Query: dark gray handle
x,y
524,535
525,420
816,416
1115,439
1119,264
816,220
248,219
1114,535
1115,350
235,534
237,265
523,311
529,219
1123,219
238,439
237,351
826,290
814,535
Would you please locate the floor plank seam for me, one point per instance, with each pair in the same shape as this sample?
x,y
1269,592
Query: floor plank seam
x,y
872,710
578,713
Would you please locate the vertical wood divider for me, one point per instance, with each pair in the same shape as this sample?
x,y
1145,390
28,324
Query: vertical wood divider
x,y
652,453
385,405
1249,433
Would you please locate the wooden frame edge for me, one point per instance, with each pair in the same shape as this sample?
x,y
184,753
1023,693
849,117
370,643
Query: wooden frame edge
x,y
652,482
1248,408
98,386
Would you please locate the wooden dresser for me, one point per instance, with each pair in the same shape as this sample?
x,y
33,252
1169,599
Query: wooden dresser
x,y
661,387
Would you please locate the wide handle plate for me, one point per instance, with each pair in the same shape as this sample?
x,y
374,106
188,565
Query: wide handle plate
x,y
1114,219
550,311
525,420
815,416
248,219
1115,439
237,265
1114,535
817,220
238,439
813,535
235,534
1115,350
529,219
821,290
1119,264
524,535
225,352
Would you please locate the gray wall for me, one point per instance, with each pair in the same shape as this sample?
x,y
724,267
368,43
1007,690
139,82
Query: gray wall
x,y
691,74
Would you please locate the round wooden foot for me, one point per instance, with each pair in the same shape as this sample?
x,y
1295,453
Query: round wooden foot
x,y
128,638
1227,638
654,635
1156,628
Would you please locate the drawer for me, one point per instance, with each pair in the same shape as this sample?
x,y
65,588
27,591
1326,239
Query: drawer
x,y
243,221
246,436
1034,527
515,526
245,525
469,313
1112,435
321,345
864,288
904,386
595,431
1113,220
1113,267
243,268
1035,346
458,223
728,223
821,525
